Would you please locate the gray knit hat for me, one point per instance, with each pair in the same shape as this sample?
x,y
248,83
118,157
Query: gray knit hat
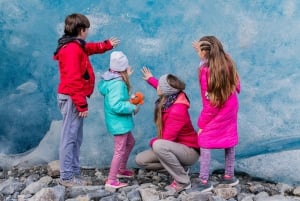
x,y
118,61
165,87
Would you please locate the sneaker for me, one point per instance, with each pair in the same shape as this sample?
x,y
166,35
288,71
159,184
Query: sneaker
x,y
203,187
163,171
125,174
177,187
71,182
231,181
82,180
113,185
187,169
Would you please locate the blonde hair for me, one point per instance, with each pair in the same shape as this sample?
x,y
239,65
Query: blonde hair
x,y
125,78
223,76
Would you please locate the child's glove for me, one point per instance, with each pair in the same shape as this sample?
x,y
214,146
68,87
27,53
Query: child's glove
x,y
137,98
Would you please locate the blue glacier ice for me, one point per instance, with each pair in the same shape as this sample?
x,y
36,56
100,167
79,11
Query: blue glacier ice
x,y
261,36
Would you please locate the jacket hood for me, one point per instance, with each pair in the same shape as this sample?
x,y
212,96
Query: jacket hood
x,y
182,99
109,75
106,79
65,39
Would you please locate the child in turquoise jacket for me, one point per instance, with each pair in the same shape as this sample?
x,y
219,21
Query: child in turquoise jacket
x,y
118,111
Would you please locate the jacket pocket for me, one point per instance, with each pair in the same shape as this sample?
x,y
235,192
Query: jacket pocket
x,y
86,75
62,103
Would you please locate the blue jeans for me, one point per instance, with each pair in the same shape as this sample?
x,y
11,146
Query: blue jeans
x,y
70,139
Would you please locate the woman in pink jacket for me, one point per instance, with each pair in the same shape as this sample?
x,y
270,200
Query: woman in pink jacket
x,y
219,83
175,147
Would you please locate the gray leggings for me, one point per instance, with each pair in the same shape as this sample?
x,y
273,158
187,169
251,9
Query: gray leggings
x,y
172,156
205,162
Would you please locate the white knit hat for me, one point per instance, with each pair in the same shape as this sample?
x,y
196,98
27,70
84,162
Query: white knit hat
x,y
118,61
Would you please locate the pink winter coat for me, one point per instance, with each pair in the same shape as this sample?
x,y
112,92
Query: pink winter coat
x,y
219,125
177,125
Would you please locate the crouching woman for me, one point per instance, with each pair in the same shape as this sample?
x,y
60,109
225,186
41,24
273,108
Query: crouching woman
x,y
175,148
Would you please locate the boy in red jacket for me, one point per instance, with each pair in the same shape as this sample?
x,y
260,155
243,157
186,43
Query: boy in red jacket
x,y
77,81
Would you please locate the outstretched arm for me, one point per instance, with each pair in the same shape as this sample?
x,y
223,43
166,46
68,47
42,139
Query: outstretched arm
x,y
149,77
146,72
101,47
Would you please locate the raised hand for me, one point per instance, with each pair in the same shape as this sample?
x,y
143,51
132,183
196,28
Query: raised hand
x,y
146,72
114,41
196,45
129,71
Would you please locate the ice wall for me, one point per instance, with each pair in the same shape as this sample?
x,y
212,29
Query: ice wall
x,y
261,36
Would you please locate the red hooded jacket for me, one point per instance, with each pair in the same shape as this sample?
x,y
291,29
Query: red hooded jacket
x,y
77,78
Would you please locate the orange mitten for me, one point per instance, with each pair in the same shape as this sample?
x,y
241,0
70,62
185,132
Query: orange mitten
x,y
137,98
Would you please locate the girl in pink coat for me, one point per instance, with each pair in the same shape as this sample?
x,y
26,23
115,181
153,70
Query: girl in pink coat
x,y
217,122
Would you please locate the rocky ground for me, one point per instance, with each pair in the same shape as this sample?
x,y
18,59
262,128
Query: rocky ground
x,y
40,183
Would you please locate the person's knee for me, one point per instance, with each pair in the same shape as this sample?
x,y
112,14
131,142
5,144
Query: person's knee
x,y
158,146
139,160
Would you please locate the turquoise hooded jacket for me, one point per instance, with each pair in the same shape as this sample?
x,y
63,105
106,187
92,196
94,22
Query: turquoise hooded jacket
x,y
118,110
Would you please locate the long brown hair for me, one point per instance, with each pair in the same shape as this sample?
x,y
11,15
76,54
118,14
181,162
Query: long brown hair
x,y
174,82
223,76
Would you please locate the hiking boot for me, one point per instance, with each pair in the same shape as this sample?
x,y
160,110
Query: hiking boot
x,y
231,181
113,185
177,187
71,182
125,174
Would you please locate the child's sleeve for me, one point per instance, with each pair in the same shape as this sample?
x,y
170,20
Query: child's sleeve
x,y
117,102
207,114
208,110
98,47
152,81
